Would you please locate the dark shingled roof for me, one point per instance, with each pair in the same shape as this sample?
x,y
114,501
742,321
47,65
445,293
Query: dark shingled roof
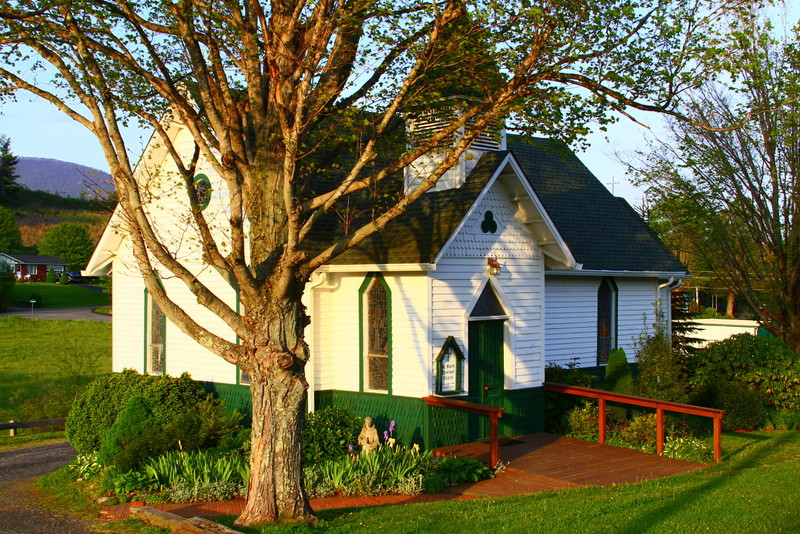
x,y
419,234
602,231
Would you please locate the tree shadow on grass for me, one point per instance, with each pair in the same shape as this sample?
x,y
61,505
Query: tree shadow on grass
x,y
737,464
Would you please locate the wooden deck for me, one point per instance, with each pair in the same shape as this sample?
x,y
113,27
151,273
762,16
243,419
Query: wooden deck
x,y
543,462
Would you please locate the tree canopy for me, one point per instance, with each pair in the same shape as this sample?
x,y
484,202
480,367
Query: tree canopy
x,y
294,106
10,236
731,194
70,242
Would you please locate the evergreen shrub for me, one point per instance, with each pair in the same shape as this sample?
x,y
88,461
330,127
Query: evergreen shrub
x,y
63,279
96,410
328,433
619,377
128,441
51,276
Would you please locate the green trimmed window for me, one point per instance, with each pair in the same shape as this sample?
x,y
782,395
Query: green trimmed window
x,y
155,338
376,324
606,319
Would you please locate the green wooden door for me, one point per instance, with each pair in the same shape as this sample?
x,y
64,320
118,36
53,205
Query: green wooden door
x,y
486,342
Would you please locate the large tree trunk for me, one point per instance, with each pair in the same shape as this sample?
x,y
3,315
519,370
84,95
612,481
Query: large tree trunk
x,y
278,390
276,491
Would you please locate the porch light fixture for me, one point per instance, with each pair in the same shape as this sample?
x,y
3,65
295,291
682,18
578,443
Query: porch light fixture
x,y
494,266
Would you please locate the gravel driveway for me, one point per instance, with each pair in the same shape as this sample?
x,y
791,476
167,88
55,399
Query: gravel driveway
x,y
20,511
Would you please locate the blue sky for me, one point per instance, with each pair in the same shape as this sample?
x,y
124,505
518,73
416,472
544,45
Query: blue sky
x,y
39,130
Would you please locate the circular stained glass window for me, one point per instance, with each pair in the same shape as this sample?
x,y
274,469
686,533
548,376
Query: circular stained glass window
x,y
202,190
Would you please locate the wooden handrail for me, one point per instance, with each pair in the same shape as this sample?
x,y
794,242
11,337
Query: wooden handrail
x,y
659,405
494,413
14,425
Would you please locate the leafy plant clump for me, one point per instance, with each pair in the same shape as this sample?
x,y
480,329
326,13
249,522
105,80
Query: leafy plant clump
x,y
96,410
557,405
389,469
765,365
329,433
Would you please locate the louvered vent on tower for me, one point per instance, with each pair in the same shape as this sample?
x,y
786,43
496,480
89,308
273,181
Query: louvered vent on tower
x,y
423,127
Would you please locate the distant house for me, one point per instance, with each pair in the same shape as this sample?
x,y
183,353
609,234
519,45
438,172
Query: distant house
x,y
519,257
32,267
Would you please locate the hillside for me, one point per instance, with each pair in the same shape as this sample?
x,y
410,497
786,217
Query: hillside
x,y
61,177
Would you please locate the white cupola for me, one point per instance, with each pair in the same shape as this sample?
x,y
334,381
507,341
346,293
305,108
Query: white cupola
x,y
421,127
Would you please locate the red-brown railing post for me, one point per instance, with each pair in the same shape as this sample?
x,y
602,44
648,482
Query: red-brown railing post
x,y
658,405
718,439
494,446
601,421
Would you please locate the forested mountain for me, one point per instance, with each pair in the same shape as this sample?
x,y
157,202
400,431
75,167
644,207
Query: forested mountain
x,y
61,177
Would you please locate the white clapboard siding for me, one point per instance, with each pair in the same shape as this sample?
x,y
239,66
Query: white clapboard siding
x,y
183,354
462,271
571,317
336,349
571,320
636,311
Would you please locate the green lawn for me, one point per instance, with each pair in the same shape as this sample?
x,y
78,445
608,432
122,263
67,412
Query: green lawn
x,y
42,362
754,490
57,296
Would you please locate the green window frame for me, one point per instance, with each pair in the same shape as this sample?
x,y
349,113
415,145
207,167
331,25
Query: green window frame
x,y
450,368
375,333
606,319
155,338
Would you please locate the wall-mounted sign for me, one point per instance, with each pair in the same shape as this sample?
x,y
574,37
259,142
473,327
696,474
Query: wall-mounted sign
x,y
450,369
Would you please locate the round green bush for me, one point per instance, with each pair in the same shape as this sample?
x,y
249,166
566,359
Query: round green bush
x,y
98,407
765,364
744,408
328,433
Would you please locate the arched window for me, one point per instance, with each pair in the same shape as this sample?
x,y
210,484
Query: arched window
x,y
376,321
606,320
155,337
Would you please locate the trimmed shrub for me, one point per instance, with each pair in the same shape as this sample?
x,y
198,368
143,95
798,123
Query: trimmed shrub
x,y
63,279
127,442
51,276
744,408
98,407
328,433
765,364
619,377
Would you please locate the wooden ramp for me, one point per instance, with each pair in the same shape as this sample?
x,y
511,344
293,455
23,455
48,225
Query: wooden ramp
x,y
543,462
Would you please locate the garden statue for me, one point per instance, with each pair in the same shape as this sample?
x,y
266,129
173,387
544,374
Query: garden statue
x,y
368,438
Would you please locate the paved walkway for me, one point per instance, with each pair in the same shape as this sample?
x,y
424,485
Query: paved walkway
x,y
535,463
83,313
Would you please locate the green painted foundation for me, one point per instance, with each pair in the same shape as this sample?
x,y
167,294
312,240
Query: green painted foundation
x,y
430,426
415,421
